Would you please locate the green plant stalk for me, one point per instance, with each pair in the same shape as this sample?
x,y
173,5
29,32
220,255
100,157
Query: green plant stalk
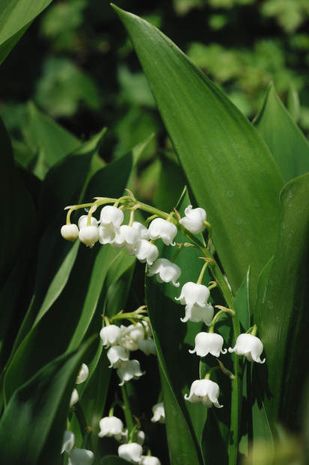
x,y
127,411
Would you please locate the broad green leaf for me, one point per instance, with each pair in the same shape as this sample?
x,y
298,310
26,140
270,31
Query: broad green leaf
x,y
242,303
18,218
48,140
168,192
33,423
287,143
281,308
15,18
70,316
228,166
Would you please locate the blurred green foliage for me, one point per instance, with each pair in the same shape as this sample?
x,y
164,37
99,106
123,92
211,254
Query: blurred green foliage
x,y
79,67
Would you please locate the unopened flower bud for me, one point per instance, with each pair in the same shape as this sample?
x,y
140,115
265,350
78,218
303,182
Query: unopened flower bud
x,y
69,232
149,460
158,413
83,374
89,235
68,442
83,221
74,398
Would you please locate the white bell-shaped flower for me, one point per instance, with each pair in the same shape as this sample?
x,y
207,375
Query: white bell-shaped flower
x,y
112,427
69,232
166,271
131,336
74,397
194,294
127,237
158,413
83,221
149,460
141,229
110,335
205,391
208,343
89,235
197,314
194,219
111,215
250,347
81,457
107,234
132,452
147,346
162,229
146,252
116,355
83,374
129,370
68,442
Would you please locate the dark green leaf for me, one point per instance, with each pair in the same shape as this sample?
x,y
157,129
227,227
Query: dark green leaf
x,y
287,143
227,164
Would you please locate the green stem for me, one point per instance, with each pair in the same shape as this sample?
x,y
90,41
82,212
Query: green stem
x,y
202,273
235,402
152,210
127,410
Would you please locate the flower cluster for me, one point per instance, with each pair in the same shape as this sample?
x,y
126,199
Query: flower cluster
x,y
121,341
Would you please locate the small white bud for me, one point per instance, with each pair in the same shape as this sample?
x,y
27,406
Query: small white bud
x,y
89,235
208,343
162,229
110,335
129,370
149,460
69,232
83,221
68,442
74,398
140,437
205,391
158,413
146,252
132,452
83,374
250,347
166,271
194,219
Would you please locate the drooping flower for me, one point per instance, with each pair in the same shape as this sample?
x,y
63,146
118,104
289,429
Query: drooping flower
x,y
116,355
128,237
68,442
140,437
146,252
107,234
129,370
162,229
197,314
132,452
208,343
149,460
69,232
194,219
147,346
158,413
110,335
141,229
111,215
89,235
166,271
250,347
83,221
81,457
83,374
112,427
205,391
131,336
74,397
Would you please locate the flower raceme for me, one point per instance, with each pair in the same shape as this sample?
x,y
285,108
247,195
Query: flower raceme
x,y
251,347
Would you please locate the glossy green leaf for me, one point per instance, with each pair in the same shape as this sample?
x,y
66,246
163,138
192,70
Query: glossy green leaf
x,y
287,143
228,166
242,303
281,308
15,18
33,423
